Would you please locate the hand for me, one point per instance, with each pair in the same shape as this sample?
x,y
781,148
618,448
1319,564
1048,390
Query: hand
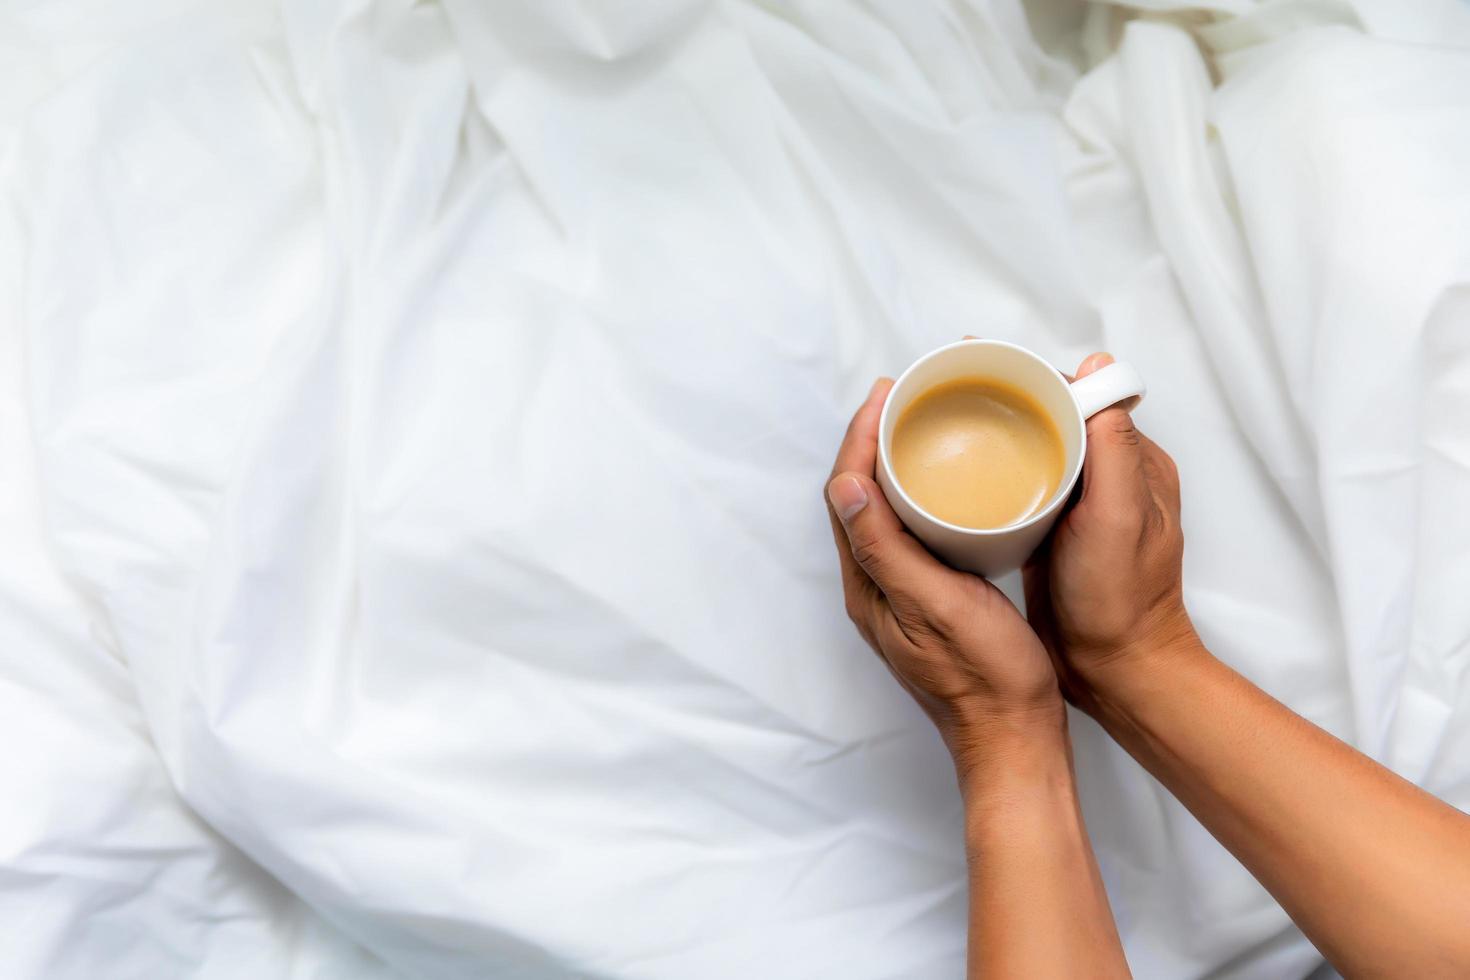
x,y
952,639
1106,586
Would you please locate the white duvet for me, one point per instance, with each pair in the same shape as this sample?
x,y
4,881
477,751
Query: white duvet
x,y
413,419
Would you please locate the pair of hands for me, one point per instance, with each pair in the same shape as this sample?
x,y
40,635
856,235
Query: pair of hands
x,y
1105,586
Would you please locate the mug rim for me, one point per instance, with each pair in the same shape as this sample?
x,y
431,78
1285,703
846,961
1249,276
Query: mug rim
x,y
1063,491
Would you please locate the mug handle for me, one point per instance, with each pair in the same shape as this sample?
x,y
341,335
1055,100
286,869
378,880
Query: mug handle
x,y
1106,386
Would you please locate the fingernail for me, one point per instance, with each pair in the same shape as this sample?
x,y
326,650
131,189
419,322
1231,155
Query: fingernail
x,y
1097,362
847,496
876,385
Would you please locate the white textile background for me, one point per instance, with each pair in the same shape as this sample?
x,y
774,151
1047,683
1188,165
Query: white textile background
x,y
413,419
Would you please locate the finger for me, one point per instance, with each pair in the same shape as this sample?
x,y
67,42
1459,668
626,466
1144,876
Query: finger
x,y
1089,364
859,449
1094,362
1113,476
863,600
878,543
859,452
1113,469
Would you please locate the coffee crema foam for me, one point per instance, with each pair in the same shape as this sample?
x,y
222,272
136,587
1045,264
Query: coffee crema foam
x,y
978,453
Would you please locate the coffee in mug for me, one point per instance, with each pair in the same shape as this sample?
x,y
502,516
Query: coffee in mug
x,y
978,452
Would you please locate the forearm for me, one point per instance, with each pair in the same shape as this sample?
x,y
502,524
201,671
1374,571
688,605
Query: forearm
x,y
1375,871
1037,904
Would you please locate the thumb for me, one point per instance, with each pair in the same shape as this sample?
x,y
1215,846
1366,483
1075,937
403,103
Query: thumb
x,y
1113,469
895,560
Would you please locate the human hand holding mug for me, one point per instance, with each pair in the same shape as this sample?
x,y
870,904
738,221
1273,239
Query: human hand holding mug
x,y
1108,585
952,640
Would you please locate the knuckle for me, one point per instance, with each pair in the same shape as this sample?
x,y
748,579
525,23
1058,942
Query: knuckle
x,y
867,550
1124,519
1122,432
946,611
916,622
1115,426
939,615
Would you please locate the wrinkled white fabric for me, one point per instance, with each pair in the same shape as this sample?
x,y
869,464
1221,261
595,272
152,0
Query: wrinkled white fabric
x,y
415,415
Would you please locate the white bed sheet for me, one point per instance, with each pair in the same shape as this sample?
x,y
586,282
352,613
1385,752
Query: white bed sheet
x,y
415,414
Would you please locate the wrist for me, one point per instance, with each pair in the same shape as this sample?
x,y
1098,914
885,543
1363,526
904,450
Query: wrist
x,y
1002,751
1021,786
1155,640
1113,687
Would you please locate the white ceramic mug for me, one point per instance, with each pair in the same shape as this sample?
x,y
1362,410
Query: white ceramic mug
x,y
995,551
